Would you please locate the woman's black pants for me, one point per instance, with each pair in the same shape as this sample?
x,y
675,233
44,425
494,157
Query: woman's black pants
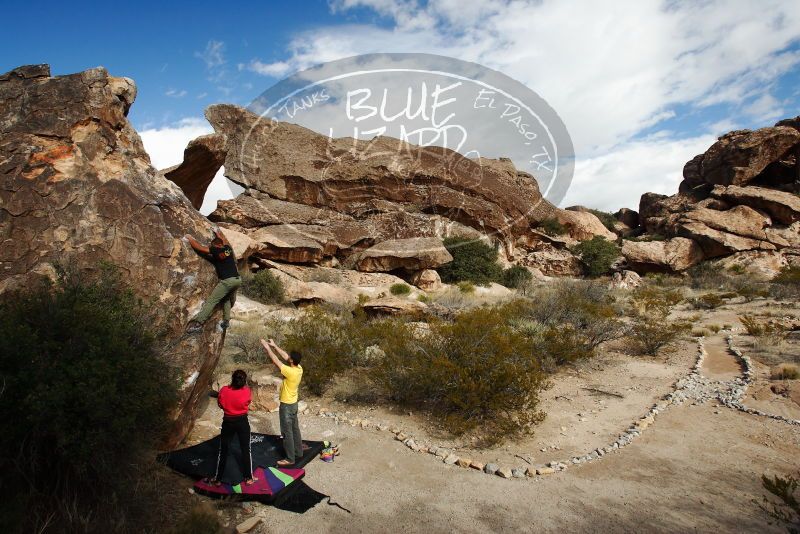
x,y
240,427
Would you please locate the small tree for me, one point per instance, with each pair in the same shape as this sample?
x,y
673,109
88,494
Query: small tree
x,y
516,276
473,261
597,254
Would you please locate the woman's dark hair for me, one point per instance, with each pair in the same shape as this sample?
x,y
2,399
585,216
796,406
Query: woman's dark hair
x,y
217,242
296,357
238,379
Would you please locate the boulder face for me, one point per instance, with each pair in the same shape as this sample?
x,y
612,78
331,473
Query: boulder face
x,y
740,156
359,194
413,254
78,188
673,255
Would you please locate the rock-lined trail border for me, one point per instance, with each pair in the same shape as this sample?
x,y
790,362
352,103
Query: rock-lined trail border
x,y
693,387
749,378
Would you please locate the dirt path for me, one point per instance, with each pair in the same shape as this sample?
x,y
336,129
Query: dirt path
x,y
720,363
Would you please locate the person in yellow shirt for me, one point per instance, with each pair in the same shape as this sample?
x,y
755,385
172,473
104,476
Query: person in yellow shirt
x,y
292,374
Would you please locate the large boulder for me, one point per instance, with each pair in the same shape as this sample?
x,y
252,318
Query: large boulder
x,y
201,160
628,217
677,254
740,156
583,225
412,254
78,188
287,162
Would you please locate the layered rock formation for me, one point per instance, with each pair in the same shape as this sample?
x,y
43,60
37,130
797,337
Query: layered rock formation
x,y
78,188
370,205
737,198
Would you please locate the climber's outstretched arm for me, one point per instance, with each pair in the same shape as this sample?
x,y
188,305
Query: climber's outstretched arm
x,y
219,234
198,246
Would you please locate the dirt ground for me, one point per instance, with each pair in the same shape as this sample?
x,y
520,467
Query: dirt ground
x,y
697,469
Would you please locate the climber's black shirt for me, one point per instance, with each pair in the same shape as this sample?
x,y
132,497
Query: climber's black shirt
x,y
224,261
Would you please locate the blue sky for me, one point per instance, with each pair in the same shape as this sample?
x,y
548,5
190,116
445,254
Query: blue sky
x,y
642,86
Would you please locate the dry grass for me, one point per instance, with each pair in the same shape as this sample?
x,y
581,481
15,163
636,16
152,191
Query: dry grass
x,y
785,371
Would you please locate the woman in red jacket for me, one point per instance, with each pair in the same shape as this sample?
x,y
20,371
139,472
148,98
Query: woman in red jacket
x,y
235,402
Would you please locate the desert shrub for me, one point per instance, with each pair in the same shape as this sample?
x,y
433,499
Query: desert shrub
x,y
473,261
786,285
246,337
200,519
664,279
715,328
707,301
553,228
422,297
789,275
583,311
400,289
454,298
85,397
597,254
651,330
650,334
744,286
787,509
785,371
755,327
263,286
737,269
475,374
516,276
700,332
466,287
606,218
707,275
330,344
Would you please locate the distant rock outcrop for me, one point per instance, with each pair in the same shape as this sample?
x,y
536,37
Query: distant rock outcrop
x,y
78,188
739,196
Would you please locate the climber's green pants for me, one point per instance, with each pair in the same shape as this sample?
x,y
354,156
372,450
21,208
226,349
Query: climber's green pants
x,y
225,292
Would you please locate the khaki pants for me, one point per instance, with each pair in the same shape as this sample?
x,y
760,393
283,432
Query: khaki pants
x,y
225,292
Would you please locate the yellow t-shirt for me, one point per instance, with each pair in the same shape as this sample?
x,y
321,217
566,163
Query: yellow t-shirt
x,y
291,381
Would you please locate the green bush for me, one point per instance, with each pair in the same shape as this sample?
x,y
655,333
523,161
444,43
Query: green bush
x,y
597,254
516,276
263,286
246,337
553,228
85,397
400,289
789,275
473,261
466,287
474,374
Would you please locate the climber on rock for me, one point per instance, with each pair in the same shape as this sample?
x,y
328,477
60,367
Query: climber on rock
x,y
220,253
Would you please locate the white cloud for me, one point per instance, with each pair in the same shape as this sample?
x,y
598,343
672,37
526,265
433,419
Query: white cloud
x,y
618,179
165,147
610,69
214,54
274,70
174,93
